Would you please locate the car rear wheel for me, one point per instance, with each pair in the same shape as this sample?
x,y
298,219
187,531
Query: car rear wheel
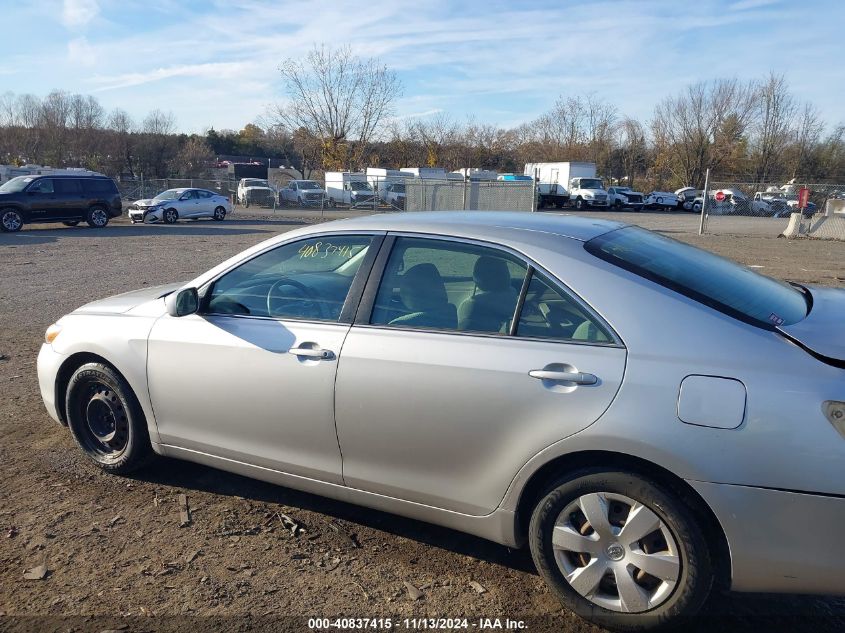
x,y
106,419
11,220
219,214
620,550
170,216
70,222
97,217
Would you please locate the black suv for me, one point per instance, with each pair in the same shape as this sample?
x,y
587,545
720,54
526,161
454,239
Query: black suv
x,y
66,199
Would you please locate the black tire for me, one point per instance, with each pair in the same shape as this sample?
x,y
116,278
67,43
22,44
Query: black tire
x,y
219,214
70,222
106,419
170,216
332,203
246,203
11,220
579,204
97,217
299,200
618,204
696,574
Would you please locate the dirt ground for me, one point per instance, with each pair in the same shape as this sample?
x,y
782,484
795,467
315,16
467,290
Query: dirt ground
x,y
256,554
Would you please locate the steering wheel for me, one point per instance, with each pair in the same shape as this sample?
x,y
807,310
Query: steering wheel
x,y
304,306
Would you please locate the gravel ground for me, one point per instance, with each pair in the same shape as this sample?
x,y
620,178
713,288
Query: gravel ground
x,y
113,546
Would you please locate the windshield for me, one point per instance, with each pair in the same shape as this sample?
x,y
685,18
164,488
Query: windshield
x,y
308,184
359,186
255,182
709,279
590,183
16,184
170,194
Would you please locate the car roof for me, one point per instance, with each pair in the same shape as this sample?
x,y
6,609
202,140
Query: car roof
x,y
484,224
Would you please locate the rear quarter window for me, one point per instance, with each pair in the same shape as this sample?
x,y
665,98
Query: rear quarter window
x,y
99,186
707,278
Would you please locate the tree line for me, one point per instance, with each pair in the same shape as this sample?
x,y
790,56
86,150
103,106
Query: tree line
x,y
339,114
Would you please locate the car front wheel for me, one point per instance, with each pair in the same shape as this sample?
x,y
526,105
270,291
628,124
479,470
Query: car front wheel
x,y
620,550
106,419
170,216
219,214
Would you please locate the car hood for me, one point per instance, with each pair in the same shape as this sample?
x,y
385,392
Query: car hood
x,y
118,304
257,189
822,332
146,202
312,190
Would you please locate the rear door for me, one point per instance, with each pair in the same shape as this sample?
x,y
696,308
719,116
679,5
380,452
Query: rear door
x,y
69,198
441,397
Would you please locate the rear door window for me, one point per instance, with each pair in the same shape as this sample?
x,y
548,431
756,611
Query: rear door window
x,y
67,185
707,278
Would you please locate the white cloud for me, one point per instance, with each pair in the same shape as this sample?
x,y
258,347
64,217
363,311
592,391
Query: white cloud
x,y
217,70
747,5
77,13
80,51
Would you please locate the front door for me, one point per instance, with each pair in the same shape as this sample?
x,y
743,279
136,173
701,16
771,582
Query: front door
x,y
45,204
251,376
441,399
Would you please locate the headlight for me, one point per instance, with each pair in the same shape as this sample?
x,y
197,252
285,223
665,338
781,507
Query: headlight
x,y
834,411
588,195
52,332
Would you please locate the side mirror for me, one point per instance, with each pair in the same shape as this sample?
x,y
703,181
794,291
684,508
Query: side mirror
x,y
182,303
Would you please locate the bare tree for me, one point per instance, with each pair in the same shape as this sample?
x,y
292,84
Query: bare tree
x,y
685,127
808,131
194,158
631,142
775,113
339,98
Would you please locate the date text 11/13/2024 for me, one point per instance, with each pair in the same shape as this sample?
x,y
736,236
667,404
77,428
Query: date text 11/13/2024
x,y
416,624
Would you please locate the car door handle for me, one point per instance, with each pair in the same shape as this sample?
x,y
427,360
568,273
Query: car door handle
x,y
311,352
579,378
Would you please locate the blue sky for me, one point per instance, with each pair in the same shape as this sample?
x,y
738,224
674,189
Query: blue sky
x,y
215,62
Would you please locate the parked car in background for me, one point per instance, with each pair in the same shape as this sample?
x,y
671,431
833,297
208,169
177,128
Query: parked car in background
x,y
305,193
625,197
394,195
66,199
686,195
642,466
770,204
180,204
661,200
255,191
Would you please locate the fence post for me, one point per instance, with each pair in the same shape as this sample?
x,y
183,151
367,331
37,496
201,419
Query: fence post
x,y
533,194
142,185
464,204
704,199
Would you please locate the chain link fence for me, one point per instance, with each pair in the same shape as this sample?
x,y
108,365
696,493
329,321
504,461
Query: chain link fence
x,y
424,194
743,208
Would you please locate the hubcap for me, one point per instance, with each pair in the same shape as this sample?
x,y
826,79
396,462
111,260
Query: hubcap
x,y
99,217
11,221
616,552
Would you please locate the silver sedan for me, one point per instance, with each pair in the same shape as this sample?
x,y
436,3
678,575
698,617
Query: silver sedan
x,y
649,418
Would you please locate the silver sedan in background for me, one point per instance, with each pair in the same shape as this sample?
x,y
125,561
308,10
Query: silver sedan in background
x,y
180,204
649,418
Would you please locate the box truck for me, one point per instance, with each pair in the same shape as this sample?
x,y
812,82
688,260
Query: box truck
x,y
349,188
559,184
380,180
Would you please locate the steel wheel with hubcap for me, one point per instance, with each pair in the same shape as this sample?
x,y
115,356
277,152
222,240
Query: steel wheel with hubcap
x,y
11,220
106,420
97,218
620,550
170,216
219,214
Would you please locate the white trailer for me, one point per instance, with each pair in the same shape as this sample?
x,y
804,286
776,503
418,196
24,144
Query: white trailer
x,y
349,188
7,172
559,184
474,173
431,173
